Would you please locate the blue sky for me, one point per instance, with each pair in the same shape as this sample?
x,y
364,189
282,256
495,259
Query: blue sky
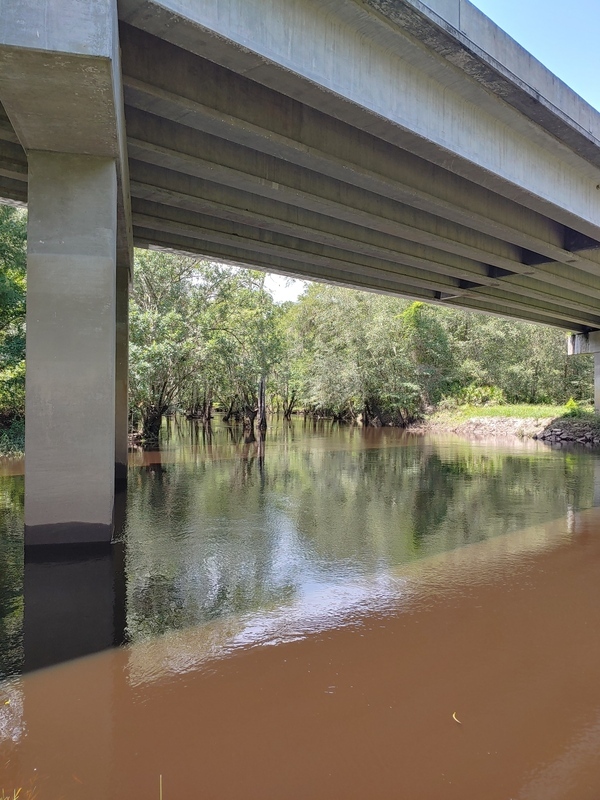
x,y
564,36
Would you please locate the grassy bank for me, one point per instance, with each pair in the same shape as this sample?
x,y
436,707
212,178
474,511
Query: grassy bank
x,y
466,412
548,422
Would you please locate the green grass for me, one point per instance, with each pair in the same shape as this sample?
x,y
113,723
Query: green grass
x,y
514,411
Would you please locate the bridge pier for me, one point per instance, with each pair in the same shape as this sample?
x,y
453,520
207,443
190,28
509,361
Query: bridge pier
x,y
71,348
61,87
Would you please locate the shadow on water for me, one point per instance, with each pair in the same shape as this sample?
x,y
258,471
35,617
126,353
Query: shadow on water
x,y
218,523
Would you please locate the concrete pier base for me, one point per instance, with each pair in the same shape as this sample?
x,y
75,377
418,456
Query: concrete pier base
x,y
71,349
74,603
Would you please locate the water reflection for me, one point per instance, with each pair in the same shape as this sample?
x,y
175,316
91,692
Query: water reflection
x,y
217,527
228,527
74,603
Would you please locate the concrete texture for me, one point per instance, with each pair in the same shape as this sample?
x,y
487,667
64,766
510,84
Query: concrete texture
x,y
60,84
71,311
368,70
74,603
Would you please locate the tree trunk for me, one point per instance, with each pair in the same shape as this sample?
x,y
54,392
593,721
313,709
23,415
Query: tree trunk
x,y
288,407
227,416
262,405
152,420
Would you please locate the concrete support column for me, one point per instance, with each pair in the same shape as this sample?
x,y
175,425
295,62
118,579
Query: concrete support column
x,y
71,348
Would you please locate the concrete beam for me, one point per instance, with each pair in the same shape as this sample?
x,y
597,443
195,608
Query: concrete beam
x,y
230,255
272,182
320,143
153,216
297,250
278,181
387,82
232,207
212,214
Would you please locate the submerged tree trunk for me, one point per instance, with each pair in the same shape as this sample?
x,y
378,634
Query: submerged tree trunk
x,y
201,408
262,405
249,417
288,406
227,416
151,422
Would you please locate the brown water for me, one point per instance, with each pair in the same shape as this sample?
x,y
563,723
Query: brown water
x,y
315,638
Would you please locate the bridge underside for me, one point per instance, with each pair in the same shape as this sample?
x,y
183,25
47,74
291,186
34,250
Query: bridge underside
x,y
220,152
230,169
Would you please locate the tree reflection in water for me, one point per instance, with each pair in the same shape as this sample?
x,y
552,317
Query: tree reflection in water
x,y
233,526
216,525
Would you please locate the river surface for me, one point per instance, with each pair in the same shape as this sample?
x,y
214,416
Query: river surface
x,y
333,613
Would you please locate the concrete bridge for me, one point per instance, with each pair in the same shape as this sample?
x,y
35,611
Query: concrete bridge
x,y
393,145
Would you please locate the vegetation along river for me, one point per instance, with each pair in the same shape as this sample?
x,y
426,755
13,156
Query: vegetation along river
x,y
335,613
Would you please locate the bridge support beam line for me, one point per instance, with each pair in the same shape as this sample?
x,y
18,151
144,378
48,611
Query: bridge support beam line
x,y
71,348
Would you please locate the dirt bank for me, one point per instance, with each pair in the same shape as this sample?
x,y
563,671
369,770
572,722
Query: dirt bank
x,y
583,430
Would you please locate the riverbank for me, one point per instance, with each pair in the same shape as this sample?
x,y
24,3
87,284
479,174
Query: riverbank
x,y
552,424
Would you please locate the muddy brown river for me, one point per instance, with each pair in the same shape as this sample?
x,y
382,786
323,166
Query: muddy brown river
x,y
337,614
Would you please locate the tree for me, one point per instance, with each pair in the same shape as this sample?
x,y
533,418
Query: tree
x,y
13,260
162,335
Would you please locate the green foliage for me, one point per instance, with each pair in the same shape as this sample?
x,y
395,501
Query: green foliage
x,y
480,395
13,234
529,363
574,409
12,437
198,332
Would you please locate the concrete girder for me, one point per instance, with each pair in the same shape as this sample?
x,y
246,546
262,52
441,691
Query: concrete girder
x,y
557,309
287,220
297,250
278,182
245,179
392,173
7,132
500,310
152,215
15,190
315,209
260,220
181,244
309,51
276,263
